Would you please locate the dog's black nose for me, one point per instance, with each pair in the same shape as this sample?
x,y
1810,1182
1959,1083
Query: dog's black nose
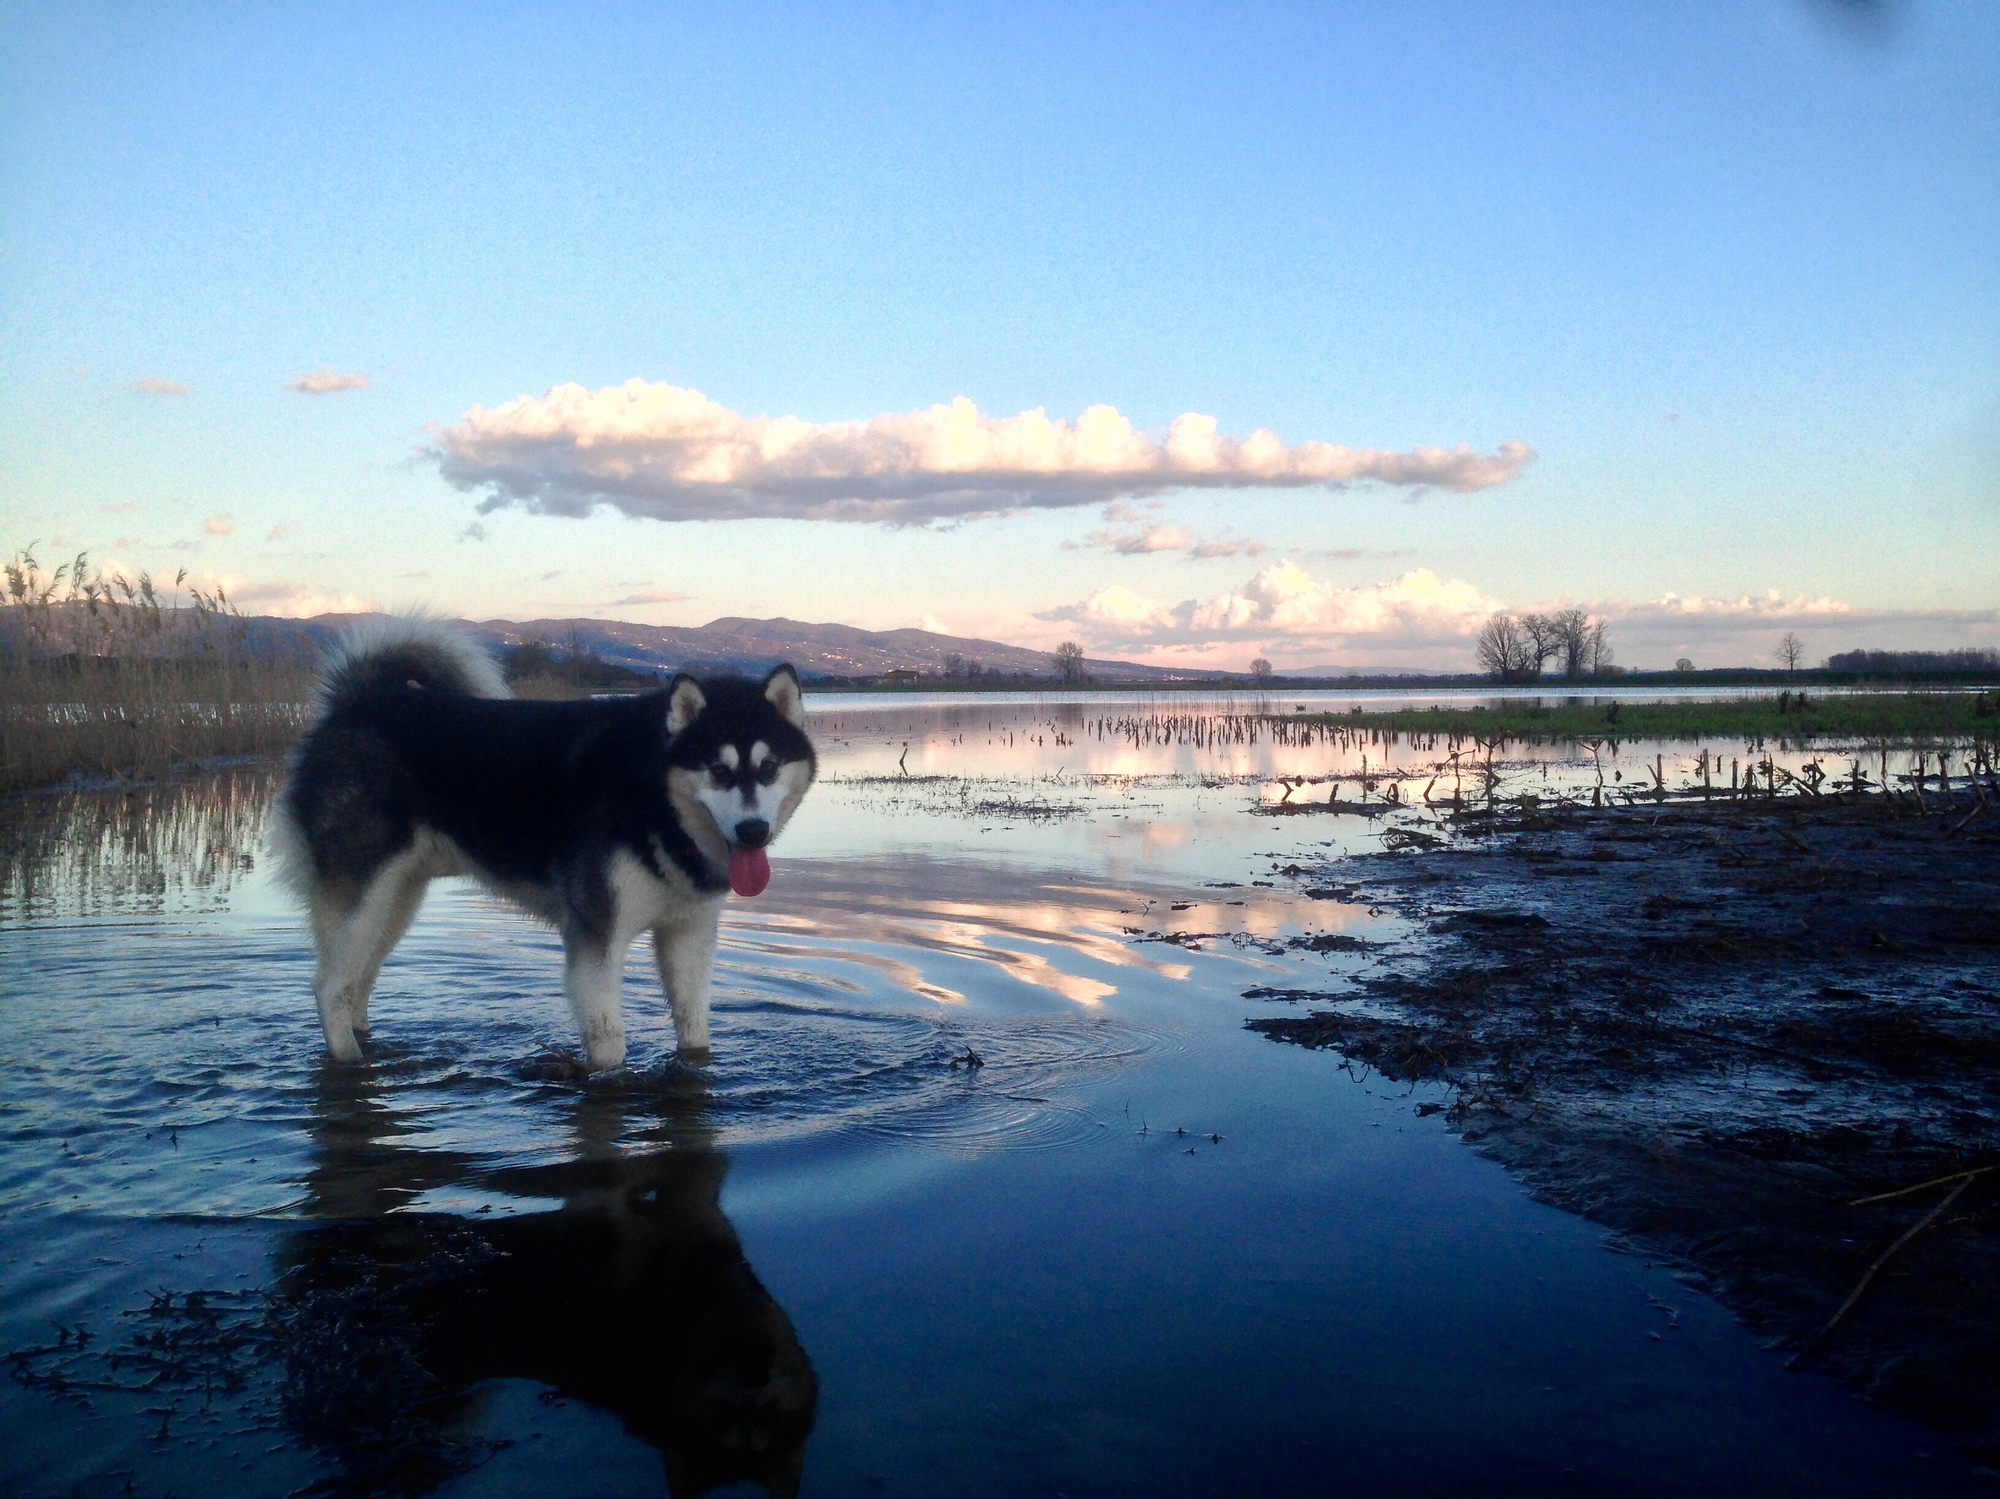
x,y
753,832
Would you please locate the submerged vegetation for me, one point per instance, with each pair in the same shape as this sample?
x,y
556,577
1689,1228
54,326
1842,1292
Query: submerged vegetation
x,y
100,675
1898,717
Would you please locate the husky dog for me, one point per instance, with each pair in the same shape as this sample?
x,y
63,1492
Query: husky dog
x,y
603,818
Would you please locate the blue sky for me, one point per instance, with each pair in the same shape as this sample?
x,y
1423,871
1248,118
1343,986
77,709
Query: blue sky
x,y
1732,273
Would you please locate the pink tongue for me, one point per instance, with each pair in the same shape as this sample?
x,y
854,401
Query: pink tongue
x,y
749,870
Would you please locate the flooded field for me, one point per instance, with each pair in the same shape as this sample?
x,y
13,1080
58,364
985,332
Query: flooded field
x,y
987,1190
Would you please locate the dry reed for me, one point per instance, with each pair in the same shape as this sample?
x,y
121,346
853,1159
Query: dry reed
x,y
102,677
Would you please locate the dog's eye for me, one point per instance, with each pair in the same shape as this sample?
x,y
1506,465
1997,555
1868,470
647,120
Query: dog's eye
x,y
767,772
722,773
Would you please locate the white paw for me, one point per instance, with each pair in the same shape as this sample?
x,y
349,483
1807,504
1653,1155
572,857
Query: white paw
x,y
342,1046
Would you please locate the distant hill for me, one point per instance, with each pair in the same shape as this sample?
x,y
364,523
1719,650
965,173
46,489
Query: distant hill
x,y
751,645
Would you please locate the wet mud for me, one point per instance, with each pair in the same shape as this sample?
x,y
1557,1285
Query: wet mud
x,y
1716,1028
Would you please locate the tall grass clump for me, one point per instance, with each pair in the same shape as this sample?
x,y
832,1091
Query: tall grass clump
x,y
102,677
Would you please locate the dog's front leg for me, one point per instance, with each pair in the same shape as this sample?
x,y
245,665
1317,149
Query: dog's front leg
x,y
684,951
591,972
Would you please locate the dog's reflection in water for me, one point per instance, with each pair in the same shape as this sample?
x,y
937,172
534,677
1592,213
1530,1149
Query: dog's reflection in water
x,y
634,1295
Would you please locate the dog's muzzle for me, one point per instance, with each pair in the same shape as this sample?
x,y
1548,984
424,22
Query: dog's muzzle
x,y
752,832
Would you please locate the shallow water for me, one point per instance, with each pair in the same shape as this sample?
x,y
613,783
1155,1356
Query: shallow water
x,y
1135,1249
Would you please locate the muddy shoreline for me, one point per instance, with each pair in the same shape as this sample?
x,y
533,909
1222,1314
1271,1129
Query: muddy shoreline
x,y
1712,1027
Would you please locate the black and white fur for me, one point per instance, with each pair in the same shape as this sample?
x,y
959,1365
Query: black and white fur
x,y
605,818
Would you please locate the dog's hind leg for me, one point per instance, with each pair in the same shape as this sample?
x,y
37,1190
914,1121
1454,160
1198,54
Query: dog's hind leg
x,y
400,910
591,971
352,944
684,952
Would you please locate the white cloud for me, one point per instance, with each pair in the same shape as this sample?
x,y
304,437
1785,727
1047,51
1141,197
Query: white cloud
x,y
218,525
1769,605
649,596
667,453
1419,621
1118,612
153,385
325,382
1742,631
1284,603
289,600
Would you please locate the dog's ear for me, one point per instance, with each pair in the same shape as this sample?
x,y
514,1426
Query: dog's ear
x,y
684,704
782,688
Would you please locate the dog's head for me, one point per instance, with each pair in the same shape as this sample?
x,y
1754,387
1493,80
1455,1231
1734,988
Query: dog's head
x,y
738,764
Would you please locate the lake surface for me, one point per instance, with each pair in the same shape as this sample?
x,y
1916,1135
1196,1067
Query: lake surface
x,y
1136,1249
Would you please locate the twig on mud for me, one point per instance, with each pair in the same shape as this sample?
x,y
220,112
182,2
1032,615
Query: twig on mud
x,y
1880,1260
1796,841
1960,826
1936,1181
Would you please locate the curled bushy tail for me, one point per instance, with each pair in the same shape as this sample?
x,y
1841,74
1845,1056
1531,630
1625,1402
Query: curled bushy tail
x,y
402,650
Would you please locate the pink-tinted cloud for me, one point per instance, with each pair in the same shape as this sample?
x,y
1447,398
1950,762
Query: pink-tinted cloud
x,y
1153,536
274,596
326,382
1742,631
287,599
1150,537
1228,546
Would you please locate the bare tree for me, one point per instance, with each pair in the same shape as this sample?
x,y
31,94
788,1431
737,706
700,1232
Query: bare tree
x,y
1541,636
1502,649
1261,669
954,664
1596,651
1569,641
1069,662
1791,650
1683,664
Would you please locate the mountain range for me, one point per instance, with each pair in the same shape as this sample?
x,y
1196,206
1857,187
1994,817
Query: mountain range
x,y
736,644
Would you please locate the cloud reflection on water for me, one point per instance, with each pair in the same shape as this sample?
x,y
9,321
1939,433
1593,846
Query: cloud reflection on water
x,y
1026,929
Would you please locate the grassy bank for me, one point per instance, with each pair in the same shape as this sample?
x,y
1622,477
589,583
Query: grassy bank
x,y
1895,717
